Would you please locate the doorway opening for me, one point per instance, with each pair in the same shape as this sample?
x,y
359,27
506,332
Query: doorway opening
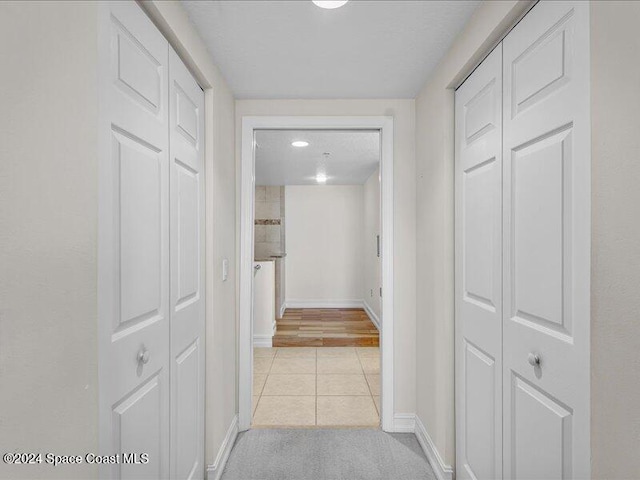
x,y
316,283
316,344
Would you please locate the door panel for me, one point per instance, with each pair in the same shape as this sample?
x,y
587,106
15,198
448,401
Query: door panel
x,y
137,71
141,186
479,387
541,435
137,422
546,243
538,200
479,272
134,245
188,234
187,397
187,271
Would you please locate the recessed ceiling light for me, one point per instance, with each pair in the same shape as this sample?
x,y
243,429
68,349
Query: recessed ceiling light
x,y
321,178
300,143
330,4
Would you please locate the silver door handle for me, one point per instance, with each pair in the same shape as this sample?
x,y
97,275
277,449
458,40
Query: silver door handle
x,y
143,356
534,359
257,267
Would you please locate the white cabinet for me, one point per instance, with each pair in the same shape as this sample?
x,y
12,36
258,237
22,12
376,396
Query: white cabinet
x,y
264,303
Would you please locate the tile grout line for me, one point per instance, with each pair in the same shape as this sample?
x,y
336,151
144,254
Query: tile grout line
x,y
369,386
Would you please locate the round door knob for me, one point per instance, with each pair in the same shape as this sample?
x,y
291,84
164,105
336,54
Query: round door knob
x,y
143,356
534,359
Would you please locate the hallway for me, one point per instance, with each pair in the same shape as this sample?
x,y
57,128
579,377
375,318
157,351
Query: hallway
x,y
320,239
326,454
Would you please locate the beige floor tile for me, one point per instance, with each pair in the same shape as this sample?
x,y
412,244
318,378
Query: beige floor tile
x,y
342,385
285,411
262,364
370,364
294,365
264,352
290,384
368,351
339,365
258,383
347,411
374,384
376,400
296,352
254,404
336,352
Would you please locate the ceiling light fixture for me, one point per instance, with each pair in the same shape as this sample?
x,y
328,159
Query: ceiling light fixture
x,y
329,4
300,143
321,178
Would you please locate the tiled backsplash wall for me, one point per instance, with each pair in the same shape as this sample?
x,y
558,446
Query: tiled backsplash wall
x,y
269,222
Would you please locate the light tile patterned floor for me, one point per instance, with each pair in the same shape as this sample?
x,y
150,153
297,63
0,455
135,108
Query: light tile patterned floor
x,y
308,386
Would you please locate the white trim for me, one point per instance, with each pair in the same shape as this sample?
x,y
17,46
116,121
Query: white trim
x,y
411,423
404,422
372,315
263,341
283,308
324,304
247,176
441,470
214,471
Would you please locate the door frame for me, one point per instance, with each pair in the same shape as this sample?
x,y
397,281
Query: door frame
x,y
247,191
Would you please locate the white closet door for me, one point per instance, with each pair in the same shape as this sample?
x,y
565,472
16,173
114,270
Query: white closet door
x,y
546,243
186,121
134,243
478,112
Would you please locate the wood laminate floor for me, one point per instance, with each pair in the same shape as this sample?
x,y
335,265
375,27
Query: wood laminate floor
x,y
325,327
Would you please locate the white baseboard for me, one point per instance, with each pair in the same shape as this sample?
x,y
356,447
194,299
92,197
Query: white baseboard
x,y
404,422
282,309
374,318
214,472
441,469
263,341
298,303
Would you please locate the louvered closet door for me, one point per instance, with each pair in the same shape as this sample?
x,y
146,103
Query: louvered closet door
x,y
187,271
478,294
134,243
546,243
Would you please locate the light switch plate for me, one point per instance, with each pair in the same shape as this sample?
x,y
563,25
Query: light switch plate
x,y
225,269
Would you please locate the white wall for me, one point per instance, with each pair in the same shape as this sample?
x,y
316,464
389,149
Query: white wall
x,y
371,228
324,230
435,242
615,243
48,234
403,112
220,170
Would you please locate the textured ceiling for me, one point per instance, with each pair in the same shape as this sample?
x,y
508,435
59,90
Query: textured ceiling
x,y
293,49
353,156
